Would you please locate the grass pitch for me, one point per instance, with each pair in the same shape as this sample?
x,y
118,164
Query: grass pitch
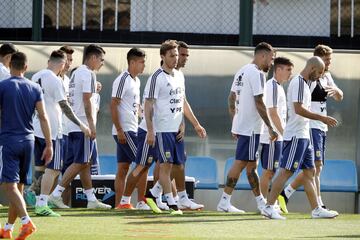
x,y
86,224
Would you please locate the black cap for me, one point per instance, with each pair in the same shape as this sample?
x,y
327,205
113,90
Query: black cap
x,y
7,48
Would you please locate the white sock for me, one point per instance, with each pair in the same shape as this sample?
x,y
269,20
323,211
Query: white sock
x,y
260,200
225,198
125,200
289,191
58,191
170,199
42,200
90,195
176,199
156,190
320,202
183,195
9,226
26,219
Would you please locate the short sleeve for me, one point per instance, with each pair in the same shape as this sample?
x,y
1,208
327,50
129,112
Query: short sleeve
x,y
257,82
271,96
153,85
297,90
88,80
58,91
120,86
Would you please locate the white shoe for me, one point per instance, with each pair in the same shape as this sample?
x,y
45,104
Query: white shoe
x,y
188,204
97,205
320,212
271,213
277,208
57,201
228,208
161,204
261,206
142,206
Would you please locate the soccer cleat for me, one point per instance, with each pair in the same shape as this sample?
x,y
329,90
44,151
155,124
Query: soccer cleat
x,y
45,211
26,230
5,234
320,212
261,206
142,206
124,206
97,205
228,208
271,213
57,202
30,198
283,200
161,204
150,200
174,210
1,205
187,204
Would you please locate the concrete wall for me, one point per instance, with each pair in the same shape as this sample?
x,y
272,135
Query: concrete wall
x,y
209,74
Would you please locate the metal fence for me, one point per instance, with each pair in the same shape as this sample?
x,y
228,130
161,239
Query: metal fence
x,y
323,18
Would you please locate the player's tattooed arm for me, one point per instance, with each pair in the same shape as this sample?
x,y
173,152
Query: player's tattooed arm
x,y
231,103
66,109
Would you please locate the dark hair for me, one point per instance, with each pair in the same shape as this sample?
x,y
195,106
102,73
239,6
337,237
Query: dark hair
x,y
182,44
263,46
282,61
135,53
322,50
67,49
57,55
18,61
93,49
167,45
7,48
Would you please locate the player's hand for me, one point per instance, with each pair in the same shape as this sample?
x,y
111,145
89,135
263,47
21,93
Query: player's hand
x,y
47,154
92,132
85,130
201,132
331,90
330,121
121,136
273,135
235,136
150,138
181,133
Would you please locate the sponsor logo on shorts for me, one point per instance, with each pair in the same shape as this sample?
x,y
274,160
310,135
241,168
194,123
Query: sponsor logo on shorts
x,y
276,164
167,154
318,153
296,164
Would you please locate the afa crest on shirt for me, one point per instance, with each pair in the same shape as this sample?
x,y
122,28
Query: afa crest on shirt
x,y
296,164
150,159
318,154
167,154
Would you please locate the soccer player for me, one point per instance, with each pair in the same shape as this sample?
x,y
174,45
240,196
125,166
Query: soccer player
x,y
6,50
275,101
125,108
178,168
321,89
297,151
248,113
95,167
82,88
55,104
19,97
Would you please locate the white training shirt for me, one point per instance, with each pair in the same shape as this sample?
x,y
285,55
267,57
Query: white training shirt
x,y
248,82
127,89
66,82
318,99
298,92
83,80
274,98
54,92
168,92
4,72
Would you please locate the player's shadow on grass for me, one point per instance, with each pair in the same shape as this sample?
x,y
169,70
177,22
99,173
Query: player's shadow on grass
x,y
335,236
180,220
190,214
